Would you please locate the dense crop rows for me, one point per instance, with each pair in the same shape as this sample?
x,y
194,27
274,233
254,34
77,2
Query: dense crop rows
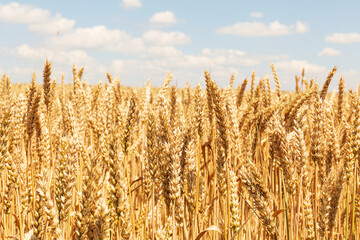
x,y
109,162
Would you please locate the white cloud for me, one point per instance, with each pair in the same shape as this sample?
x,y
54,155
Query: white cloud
x,y
186,67
345,38
128,4
275,28
17,73
56,25
256,14
229,57
301,27
39,20
225,58
22,13
118,65
154,62
62,57
289,68
297,65
99,37
159,38
329,52
351,79
221,52
25,51
163,19
162,51
280,57
126,67
62,62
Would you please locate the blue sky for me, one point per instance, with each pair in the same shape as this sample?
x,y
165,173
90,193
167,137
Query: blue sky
x,y
142,39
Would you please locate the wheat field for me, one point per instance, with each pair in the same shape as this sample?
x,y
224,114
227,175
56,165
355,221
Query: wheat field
x,y
106,161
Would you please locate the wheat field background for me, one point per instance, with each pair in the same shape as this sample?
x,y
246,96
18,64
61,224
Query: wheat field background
x,y
107,161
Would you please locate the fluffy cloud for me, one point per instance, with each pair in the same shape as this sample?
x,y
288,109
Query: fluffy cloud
x,y
99,37
62,57
163,19
25,51
162,51
256,14
344,38
250,29
128,4
39,20
62,61
221,52
22,13
159,38
289,68
271,58
297,65
351,79
56,25
230,57
18,74
329,52
154,62
208,58
187,67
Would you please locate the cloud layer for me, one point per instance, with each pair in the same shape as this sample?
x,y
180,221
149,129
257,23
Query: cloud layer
x,y
37,19
329,52
129,4
157,37
99,37
256,15
258,29
152,50
344,38
163,19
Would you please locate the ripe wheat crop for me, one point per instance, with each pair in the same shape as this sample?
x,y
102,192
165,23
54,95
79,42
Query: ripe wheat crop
x,y
105,161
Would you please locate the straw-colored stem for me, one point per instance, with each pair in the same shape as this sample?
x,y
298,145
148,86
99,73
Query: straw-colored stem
x,y
353,204
347,211
130,198
315,199
286,207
